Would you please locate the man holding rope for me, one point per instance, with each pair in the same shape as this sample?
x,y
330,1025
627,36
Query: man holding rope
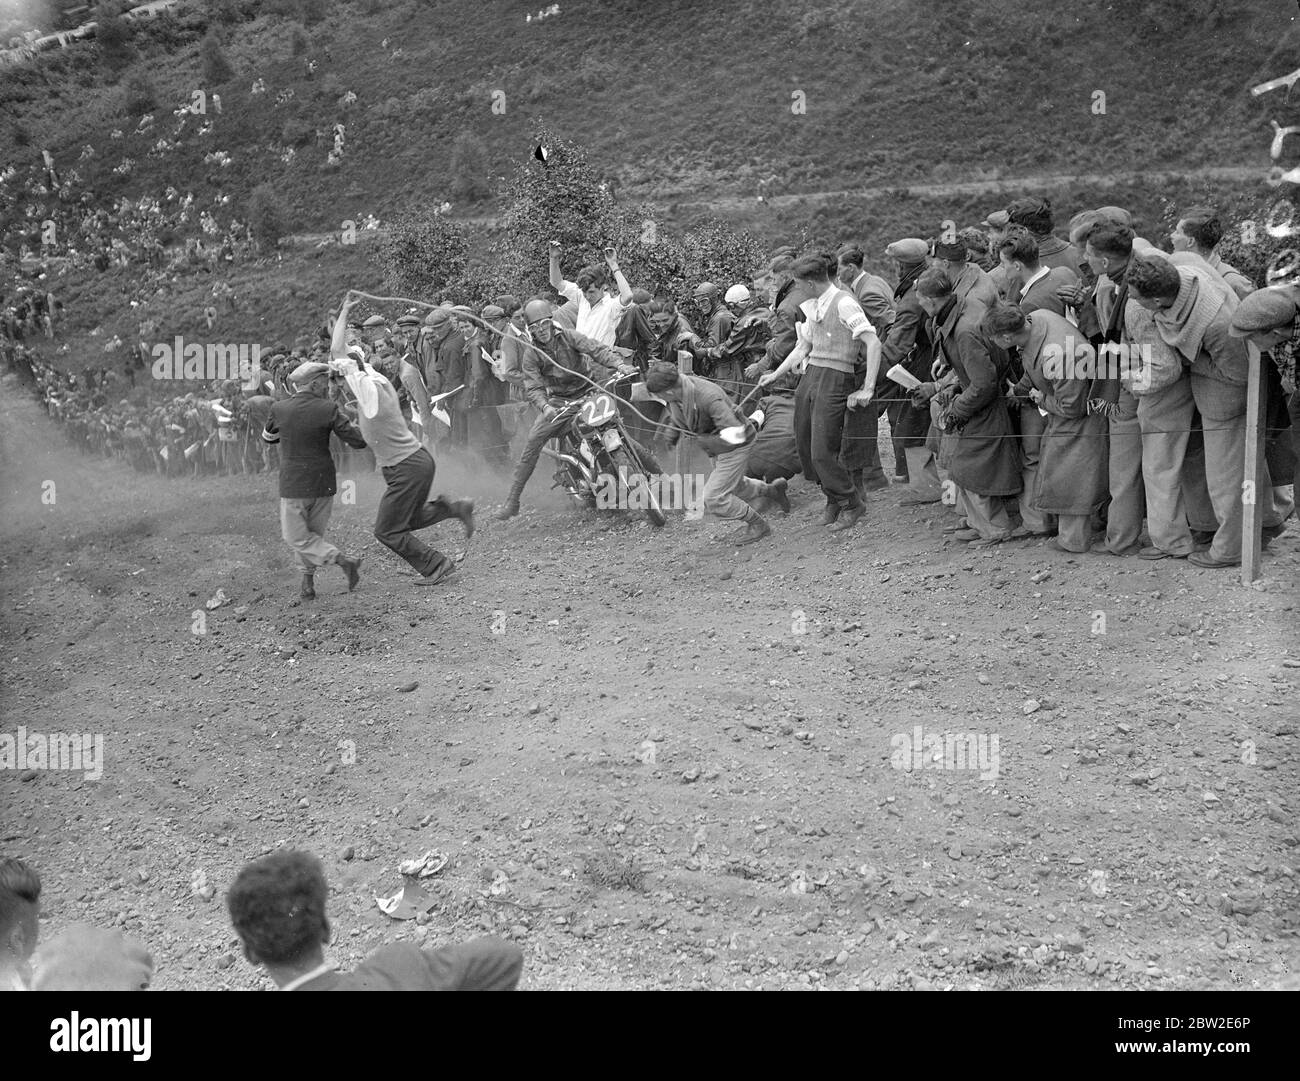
x,y
407,467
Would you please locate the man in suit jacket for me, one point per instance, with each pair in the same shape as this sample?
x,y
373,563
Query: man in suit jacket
x,y
301,426
277,907
1032,285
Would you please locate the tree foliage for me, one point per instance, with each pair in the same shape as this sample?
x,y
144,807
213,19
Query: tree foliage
x,y
421,255
140,97
564,199
113,34
469,168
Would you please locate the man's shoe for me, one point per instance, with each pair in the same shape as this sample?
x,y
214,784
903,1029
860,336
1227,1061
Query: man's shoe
x,y
1158,553
995,540
1203,536
1271,533
830,514
957,526
352,568
755,530
508,510
917,500
776,491
1101,549
874,485
1204,559
965,534
848,518
464,510
443,570
308,590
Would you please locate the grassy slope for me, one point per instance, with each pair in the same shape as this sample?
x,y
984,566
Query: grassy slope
x,y
684,100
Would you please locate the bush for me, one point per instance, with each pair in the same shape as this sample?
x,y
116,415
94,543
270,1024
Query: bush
x,y
140,95
421,255
267,215
216,66
299,42
297,132
469,167
114,36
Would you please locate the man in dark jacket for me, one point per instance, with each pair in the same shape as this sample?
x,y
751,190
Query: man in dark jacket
x,y
705,410
301,426
743,346
277,907
557,372
908,344
980,458
1036,216
444,353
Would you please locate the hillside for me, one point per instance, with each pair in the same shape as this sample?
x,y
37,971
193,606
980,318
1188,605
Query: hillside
x,y
688,106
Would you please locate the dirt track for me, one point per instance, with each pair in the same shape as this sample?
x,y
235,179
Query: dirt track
x,y
1140,830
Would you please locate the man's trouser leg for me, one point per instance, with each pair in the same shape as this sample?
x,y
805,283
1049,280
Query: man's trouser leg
x,y
860,446
405,507
1165,419
542,430
828,400
985,514
1074,531
1032,426
727,490
803,428
302,525
1124,521
1223,416
1196,493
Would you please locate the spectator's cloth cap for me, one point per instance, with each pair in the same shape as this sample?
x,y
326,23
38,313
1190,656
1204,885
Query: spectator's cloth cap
x,y
437,317
780,264
908,250
1117,214
374,321
410,319
1264,310
956,251
999,219
492,313
737,294
307,371
86,958
641,296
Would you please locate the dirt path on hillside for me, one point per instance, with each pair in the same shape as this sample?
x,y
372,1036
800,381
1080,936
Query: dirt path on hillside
x,y
654,761
1002,185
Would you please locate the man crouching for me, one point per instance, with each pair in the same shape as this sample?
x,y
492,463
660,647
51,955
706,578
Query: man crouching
x,y
704,409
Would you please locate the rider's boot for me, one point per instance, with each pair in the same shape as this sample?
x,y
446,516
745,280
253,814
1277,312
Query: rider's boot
x,y
511,506
756,528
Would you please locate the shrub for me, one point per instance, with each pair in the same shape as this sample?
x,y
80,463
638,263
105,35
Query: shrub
x,y
140,95
216,66
267,215
421,255
312,11
114,36
299,42
469,167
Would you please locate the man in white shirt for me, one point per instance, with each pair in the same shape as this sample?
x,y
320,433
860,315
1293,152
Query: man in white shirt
x,y
599,312
830,337
408,468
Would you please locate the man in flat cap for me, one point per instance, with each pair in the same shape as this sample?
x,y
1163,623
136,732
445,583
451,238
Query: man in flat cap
x,y
412,390
445,368
968,280
301,427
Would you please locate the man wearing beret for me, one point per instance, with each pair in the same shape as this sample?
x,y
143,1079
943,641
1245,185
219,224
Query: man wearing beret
x,y
301,427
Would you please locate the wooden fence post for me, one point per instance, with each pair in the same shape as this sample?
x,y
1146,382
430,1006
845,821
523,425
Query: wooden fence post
x,y
1251,496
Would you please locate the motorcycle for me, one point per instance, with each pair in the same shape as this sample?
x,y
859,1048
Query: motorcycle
x,y
595,451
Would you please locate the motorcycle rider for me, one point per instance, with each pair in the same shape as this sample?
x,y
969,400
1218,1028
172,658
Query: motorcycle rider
x,y
746,344
558,370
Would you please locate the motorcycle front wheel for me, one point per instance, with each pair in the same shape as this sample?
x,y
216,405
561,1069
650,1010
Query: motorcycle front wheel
x,y
631,469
